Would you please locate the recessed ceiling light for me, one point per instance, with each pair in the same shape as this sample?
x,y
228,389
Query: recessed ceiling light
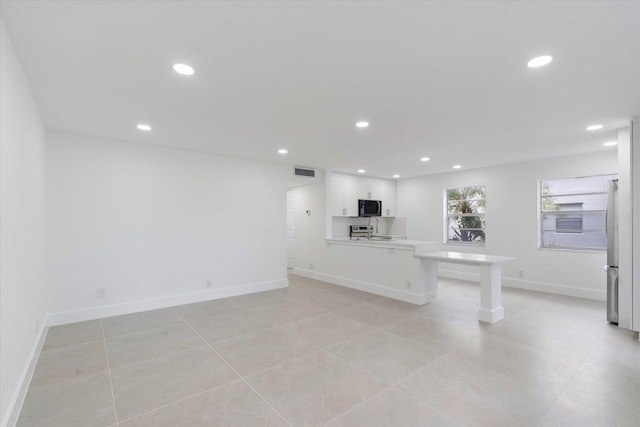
x,y
362,124
396,176
283,151
361,171
143,127
424,159
610,143
595,127
539,61
183,69
457,166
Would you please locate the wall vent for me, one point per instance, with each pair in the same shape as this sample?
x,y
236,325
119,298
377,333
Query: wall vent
x,y
310,173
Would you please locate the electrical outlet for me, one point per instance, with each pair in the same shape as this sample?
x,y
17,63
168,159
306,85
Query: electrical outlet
x,y
101,293
408,284
37,327
310,266
208,285
520,273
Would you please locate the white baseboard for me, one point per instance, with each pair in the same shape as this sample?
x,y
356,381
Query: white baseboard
x,y
372,288
99,312
20,392
530,285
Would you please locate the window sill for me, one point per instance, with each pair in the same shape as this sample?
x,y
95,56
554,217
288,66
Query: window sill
x,y
588,251
477,245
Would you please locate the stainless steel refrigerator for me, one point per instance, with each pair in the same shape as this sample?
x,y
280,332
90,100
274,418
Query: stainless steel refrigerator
x,y
612,251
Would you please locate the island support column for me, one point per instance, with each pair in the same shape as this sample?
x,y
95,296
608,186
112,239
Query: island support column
x,y
491,309
429,277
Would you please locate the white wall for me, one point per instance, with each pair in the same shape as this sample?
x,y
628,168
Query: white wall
x,y
152,225
629,185
511,221
22,296
635,167
310,229
511,224
625,227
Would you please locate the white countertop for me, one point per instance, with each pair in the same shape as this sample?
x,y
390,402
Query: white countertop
x,y
413,245
465,258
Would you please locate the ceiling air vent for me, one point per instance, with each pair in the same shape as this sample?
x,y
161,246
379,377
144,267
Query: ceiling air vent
x,y
310,173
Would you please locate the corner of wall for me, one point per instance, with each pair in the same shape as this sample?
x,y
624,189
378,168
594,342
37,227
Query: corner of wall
x,y
17,399
22,232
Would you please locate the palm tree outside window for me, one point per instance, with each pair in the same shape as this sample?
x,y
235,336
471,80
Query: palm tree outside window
x,y
466,215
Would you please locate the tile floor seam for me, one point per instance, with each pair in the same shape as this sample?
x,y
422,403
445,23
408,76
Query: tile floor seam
x,y
199,345
71,344
158,356
317,350
326,348
358,405
550,405
354,367
388,386
142,331
423,402
365,372
182,399
279,327
241,377
559,394
235,310
106,355
62,381
553,403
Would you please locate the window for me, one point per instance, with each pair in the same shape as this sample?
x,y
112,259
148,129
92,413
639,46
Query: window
x,y
465,215
573,213
569,223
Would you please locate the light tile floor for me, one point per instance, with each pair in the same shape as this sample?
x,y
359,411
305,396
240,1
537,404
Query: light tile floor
x,y
318,354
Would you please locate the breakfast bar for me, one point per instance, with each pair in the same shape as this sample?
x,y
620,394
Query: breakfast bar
x,y
491,309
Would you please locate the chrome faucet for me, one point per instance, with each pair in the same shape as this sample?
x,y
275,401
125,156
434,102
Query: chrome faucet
x,y
369,227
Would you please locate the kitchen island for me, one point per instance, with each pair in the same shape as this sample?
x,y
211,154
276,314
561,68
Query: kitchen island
x,y
406,270
388,268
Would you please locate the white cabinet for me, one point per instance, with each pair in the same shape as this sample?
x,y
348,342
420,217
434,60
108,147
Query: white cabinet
x,y
343,192
388,197
342,195
368,188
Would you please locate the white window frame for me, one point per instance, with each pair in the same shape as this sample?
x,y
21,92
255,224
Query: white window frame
x,y
580,212
447,217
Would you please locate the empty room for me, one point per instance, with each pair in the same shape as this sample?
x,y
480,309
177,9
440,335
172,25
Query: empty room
x,y
319,213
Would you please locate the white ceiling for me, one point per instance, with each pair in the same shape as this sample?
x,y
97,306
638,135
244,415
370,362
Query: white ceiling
x,y
441,79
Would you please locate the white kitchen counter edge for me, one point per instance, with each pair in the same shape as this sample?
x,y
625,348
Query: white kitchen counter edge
x,y
406,245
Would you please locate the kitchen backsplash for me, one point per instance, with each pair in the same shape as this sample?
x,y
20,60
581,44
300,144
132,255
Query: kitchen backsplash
x,y
396,226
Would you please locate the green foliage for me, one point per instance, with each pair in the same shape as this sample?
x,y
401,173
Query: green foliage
x,y
463,203
548,203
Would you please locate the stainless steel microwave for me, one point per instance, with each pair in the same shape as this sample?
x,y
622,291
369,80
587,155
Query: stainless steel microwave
x,y
369,207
